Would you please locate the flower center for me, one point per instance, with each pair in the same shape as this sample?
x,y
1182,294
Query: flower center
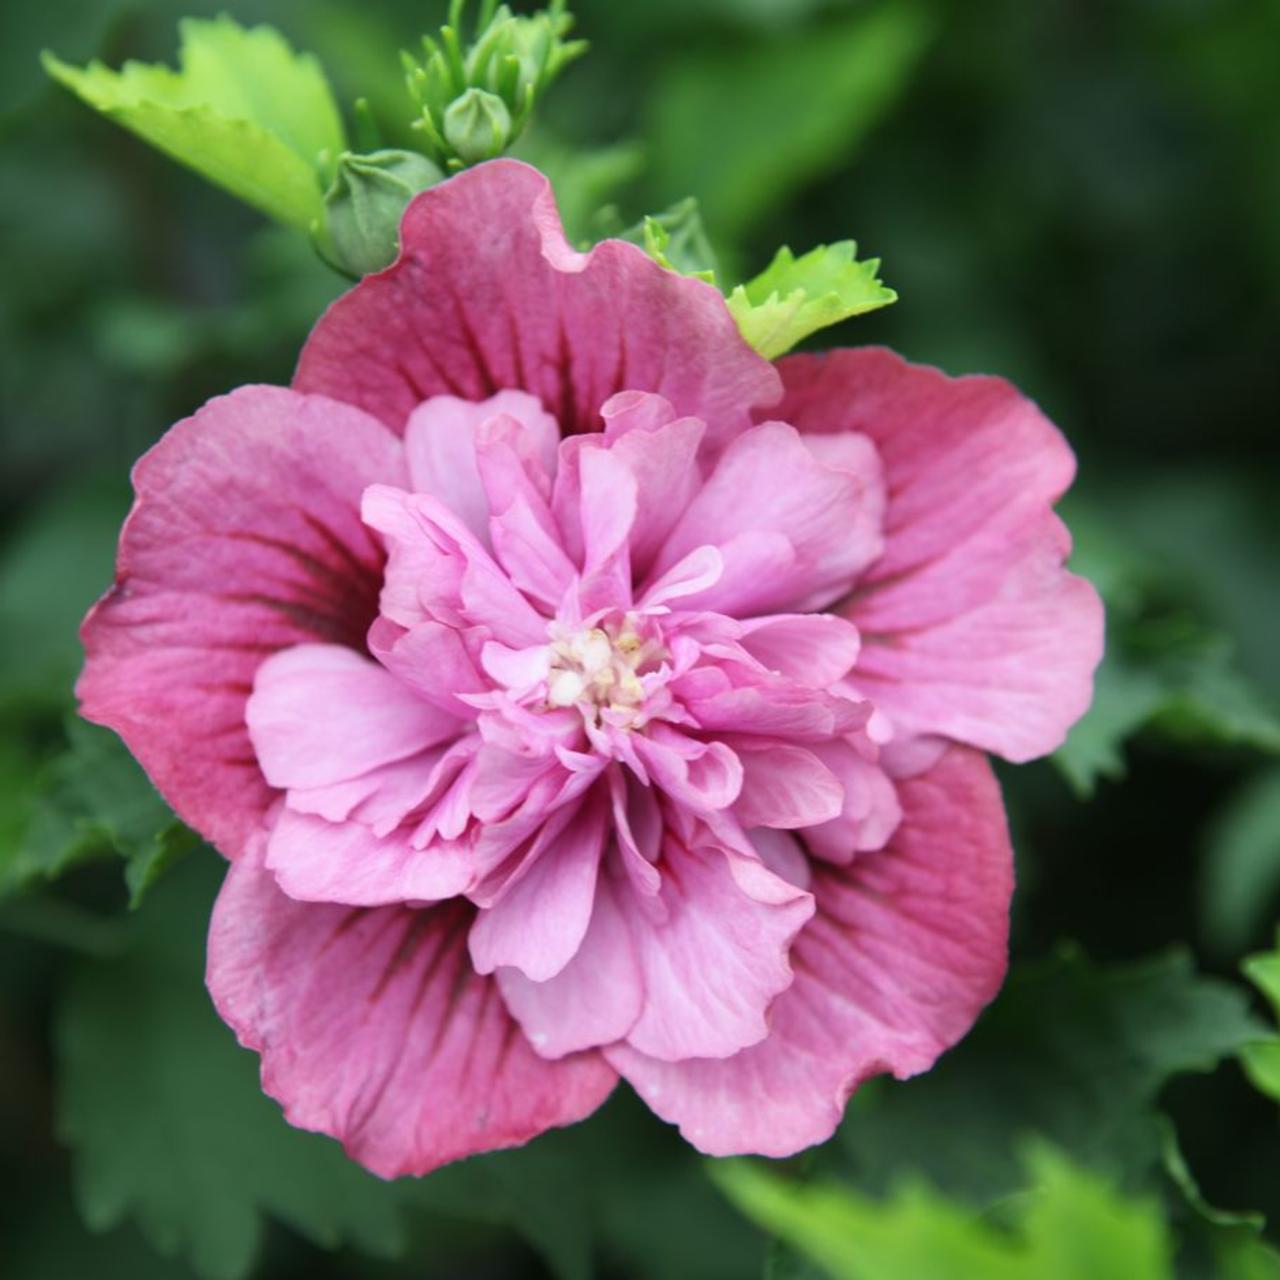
x,y
601,668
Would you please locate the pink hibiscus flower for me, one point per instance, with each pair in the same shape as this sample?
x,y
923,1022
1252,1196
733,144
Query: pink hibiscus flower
x,y
578,695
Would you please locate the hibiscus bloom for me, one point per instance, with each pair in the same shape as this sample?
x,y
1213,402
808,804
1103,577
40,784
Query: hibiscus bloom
x,y
576,695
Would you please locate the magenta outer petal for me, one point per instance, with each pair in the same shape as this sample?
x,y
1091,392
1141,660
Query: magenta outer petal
x,y
245,537
971,627
907,946
487,294
373,1028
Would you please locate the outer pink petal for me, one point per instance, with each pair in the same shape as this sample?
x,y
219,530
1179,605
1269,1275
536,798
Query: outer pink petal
x,y
712,966
373,1028
973,554
487,294
245,538
322,713
907,947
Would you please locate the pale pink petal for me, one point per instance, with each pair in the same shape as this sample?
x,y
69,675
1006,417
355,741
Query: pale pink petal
x,y
526,541
538,924
432,660
815,648
373,1028
661,453
972,468
712,966
776,708
245,538
608,511
440,446
435,560
487,294
869,812
637,828
783,854
691,576
595,999
381,799
423,573
785,786
322,713
701,775
318,861
907,947
768,482
755,568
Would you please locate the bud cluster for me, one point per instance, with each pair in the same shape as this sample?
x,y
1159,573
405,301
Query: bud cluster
x,y
476,98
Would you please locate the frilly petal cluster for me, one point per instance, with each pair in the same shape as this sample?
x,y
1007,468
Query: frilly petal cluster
x,y
577,695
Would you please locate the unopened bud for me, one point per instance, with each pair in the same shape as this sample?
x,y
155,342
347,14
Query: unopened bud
x,y
477,126
365,203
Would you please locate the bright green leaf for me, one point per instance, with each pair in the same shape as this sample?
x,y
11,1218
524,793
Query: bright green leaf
x,y
166,1119
794,297
1077,1228
244,110
1068,1225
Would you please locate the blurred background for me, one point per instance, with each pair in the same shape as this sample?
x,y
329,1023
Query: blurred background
x,y
1081,196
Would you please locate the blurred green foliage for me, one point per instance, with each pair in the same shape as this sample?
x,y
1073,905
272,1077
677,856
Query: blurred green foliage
x,y
1079,196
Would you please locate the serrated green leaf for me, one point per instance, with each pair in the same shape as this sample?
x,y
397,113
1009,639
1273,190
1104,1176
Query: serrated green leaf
x,y
166,1119
244,110
1077,1227
794,297
1070,1050
677,240
1069,1224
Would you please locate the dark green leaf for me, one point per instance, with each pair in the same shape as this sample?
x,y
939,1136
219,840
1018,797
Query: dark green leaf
x,y
1242,864
166,1119
94,799
1070,1050
779,111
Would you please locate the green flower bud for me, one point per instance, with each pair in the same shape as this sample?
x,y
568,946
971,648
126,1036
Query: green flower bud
x,y
477,126
364,205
